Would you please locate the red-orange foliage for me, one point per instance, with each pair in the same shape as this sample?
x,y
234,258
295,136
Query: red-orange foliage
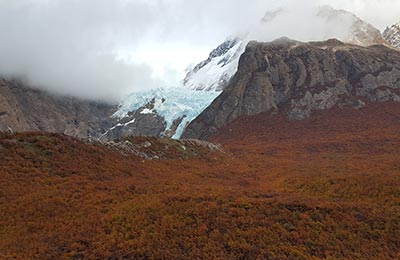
x,y
324,188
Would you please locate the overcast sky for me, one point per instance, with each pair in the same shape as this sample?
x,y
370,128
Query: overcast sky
x,y
103,49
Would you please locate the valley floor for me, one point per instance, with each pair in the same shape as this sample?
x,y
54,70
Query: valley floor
x,y
324,188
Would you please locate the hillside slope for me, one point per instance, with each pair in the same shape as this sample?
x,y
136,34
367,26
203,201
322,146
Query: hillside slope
x,y
323,188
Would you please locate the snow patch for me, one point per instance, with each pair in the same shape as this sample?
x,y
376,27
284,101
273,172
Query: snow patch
x,y
146,111
130,122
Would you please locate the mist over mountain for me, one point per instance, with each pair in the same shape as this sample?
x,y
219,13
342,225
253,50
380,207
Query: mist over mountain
x,y
107,49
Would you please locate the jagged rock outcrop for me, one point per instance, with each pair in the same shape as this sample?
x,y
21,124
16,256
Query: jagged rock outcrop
x,y
392,35
296,78
25,109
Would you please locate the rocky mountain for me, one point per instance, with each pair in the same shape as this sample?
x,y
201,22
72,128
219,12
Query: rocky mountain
x,y
167,112
215,72
25,109
392,35
295,79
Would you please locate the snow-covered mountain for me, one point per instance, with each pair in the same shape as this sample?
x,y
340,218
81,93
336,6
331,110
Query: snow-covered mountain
x,y
392,35
215,72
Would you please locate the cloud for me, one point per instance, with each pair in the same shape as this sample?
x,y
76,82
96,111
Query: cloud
x,y
104,49
69,47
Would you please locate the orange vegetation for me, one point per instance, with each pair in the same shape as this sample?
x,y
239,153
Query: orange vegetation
x,y
324,188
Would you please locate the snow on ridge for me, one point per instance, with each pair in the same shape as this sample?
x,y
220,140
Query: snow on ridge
x,y
214,73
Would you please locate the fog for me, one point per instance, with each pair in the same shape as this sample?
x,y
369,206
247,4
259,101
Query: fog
x,y
104,49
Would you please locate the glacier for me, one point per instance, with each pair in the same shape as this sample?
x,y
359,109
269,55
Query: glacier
x,y
171,103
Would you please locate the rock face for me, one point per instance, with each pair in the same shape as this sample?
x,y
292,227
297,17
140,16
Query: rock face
x,y
25,109
392,35
296,78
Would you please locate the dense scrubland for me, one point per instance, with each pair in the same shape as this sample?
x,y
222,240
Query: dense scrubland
x,y
324,188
